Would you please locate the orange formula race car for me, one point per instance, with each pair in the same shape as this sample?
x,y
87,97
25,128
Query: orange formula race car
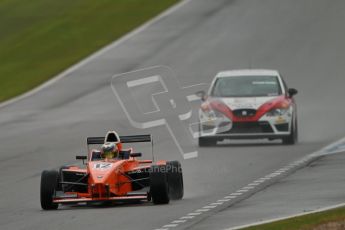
x,y
115,177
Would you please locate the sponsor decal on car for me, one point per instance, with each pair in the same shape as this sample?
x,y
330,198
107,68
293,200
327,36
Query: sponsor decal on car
x,y
102,166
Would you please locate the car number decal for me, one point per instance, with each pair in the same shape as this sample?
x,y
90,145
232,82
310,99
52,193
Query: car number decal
x,y
102,166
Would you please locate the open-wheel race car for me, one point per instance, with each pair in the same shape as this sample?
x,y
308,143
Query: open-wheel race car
x,y
121,178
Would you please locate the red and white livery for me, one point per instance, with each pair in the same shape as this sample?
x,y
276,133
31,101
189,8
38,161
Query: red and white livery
x,y
248,104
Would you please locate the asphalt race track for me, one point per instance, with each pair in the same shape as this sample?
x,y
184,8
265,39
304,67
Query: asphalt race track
x,y
304,39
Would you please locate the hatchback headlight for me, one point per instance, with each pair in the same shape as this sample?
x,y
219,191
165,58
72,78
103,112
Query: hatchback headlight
x,y
277,112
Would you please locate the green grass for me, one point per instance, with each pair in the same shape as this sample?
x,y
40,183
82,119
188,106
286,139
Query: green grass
x,y
306,222
40,38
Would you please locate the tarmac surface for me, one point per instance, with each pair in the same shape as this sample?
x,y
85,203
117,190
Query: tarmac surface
x,y
304,40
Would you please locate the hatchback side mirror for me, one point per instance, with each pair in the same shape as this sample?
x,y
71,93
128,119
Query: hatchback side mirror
x,y
292,92
202,95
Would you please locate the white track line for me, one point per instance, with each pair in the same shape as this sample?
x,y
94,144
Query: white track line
x,y
236,194
170,226
194,213
178,221
202,210
217,203
186,217
248,187
253,184
230,197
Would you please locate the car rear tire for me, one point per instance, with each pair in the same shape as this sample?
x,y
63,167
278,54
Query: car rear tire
x,y
159,188
207,141
49,182
293,137
175,180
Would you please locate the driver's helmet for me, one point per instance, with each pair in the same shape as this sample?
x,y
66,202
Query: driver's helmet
x,y
109,151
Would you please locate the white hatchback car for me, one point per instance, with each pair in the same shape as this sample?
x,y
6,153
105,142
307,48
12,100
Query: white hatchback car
x,y
248,104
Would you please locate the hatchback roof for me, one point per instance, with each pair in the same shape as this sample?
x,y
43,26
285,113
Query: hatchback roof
x,y
248,72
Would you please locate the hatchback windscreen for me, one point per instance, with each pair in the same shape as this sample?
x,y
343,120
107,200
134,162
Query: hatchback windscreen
x,y
247,86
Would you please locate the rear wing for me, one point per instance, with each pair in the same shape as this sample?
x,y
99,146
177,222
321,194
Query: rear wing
x,y
123,139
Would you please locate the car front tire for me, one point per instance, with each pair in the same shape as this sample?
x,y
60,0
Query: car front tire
x,y
293,137
159,188
49,181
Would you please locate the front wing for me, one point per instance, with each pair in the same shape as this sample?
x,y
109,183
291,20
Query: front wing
x,y
73,198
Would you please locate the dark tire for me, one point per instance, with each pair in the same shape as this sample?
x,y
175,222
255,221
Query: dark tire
x,y
293,137
175,180
159,189
207,141
49,181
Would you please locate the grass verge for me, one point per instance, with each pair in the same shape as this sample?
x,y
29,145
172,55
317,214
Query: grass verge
x,y
40,38
332,219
